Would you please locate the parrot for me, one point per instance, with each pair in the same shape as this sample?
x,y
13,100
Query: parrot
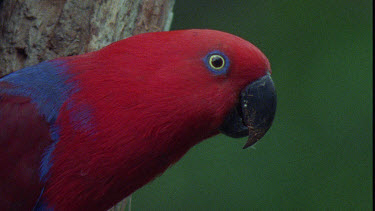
x,y
83,132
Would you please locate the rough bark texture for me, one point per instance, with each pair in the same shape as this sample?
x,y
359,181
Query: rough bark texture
x,y
32,31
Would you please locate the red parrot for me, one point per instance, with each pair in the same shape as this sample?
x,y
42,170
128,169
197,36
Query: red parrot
x,y
84,132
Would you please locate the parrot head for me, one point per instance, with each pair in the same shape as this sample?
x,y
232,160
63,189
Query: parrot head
x,y
219,76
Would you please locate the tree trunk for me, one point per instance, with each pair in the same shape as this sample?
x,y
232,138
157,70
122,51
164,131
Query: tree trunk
x,y
32,31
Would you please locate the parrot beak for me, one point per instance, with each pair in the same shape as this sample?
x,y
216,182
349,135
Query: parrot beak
x,y
254,113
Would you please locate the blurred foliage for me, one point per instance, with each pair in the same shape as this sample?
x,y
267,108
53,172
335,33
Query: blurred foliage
x,y
318,153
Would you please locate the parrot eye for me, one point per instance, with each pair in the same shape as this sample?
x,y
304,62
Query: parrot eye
x,y
217,62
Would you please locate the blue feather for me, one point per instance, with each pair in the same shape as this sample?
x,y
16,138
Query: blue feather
x,y
46,85
46,163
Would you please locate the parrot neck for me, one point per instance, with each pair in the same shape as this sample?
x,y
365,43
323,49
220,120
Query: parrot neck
x,y
112,168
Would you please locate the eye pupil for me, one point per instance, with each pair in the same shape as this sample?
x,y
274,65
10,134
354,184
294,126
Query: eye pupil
x,y
217,61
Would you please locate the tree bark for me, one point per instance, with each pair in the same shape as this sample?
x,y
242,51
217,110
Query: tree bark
x,y
32,31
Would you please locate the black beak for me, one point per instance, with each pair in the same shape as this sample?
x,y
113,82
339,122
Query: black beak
x,y
254,113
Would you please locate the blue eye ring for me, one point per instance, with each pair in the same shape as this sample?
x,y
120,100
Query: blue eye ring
x,y
217,62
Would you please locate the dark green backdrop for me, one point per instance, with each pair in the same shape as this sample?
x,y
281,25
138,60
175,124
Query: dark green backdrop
x,y
318,153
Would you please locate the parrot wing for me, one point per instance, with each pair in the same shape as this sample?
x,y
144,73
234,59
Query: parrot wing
x,y
30,100
24,136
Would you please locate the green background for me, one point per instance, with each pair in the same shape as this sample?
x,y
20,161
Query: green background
x,y
318,153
